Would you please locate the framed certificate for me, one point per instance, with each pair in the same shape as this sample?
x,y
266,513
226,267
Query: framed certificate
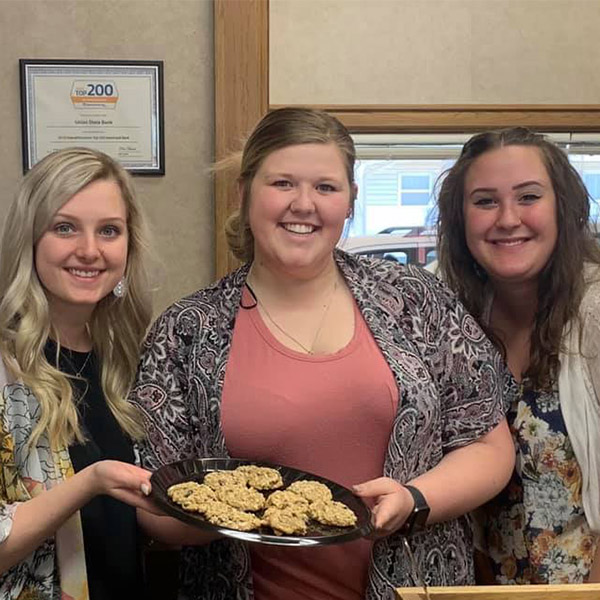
x,y
112,106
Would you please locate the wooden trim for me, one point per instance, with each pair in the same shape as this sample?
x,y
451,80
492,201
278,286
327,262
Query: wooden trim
x,y
241,30
446,118
571,591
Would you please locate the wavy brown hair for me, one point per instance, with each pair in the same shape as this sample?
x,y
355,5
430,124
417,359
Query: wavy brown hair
x,y
117,325
561,282
276,130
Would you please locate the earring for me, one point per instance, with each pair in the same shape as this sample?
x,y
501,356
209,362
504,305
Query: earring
x,y
120,289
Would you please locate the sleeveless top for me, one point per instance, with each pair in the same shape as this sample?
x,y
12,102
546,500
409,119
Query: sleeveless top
x,y
327,414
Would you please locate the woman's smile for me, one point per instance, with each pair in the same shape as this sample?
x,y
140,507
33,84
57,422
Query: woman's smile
x,y
83,273
299,228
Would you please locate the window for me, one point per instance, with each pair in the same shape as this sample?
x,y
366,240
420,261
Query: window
x,y
414,189
592,183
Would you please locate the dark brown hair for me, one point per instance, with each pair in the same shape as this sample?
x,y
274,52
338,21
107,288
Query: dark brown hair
x,y
561,283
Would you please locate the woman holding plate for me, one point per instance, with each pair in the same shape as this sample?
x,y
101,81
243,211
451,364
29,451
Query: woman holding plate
x,y
358,370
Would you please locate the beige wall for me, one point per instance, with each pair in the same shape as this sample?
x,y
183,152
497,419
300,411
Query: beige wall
x,y
434,51
179,32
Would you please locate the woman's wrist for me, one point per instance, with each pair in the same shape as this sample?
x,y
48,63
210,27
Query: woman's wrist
x,y
89,482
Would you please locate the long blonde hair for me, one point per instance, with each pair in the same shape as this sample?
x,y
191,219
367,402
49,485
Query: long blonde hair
x,y
117,325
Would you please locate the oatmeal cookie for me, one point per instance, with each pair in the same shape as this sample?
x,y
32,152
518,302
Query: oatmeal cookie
x,y
219,513
199,499
283,499
217,479
285,521
332,513
180,491
261,478
241,497
313,491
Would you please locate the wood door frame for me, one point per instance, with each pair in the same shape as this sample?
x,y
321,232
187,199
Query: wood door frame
x,y
241,30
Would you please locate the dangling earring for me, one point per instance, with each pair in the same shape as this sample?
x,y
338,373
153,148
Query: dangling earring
x,y
120,289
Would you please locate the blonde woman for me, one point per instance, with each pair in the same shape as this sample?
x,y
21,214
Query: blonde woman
x,y
74,308
362,371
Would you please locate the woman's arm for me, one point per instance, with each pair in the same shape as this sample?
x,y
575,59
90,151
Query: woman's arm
x,y
594,576
37,519
463,480
161,393
477,450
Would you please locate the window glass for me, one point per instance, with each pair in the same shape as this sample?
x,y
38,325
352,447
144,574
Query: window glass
x,y
415,190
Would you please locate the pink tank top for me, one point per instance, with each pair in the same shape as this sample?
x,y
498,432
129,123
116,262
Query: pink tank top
x,y
329,414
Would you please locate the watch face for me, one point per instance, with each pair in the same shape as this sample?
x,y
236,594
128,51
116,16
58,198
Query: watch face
x,y
420,515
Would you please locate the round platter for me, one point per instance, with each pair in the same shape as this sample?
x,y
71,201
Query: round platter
x,y
317,535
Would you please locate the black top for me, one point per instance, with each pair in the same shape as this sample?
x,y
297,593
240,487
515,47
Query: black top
x,y
112,550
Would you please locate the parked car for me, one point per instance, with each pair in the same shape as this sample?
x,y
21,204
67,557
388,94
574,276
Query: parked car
x,y
401,247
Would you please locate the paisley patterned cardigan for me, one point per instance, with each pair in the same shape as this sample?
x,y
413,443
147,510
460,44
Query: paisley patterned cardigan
x,y
450,393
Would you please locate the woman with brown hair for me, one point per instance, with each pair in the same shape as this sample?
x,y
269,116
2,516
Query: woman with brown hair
x,y
359,370
516,244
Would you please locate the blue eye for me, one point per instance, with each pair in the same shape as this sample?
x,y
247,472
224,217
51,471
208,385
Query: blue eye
x,y
282,183
326,187
110,231
63,228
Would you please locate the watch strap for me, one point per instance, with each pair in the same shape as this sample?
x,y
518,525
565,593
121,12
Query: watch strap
x,y
418,497
418,516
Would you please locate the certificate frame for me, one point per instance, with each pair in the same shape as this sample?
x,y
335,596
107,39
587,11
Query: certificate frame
x,y
115,106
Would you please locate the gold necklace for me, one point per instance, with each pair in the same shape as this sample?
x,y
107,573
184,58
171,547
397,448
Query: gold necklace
x,y
307,349
76,372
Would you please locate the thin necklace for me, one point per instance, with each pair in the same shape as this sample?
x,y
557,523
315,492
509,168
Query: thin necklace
x,y
307,349
70,361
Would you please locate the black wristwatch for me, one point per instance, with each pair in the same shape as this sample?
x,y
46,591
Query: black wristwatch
x,y
417,519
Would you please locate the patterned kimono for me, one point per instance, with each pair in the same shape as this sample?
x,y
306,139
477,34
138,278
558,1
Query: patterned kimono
x,y
24,473
449,379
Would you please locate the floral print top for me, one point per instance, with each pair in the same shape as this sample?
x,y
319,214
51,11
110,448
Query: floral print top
x,y
25,472
536,528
